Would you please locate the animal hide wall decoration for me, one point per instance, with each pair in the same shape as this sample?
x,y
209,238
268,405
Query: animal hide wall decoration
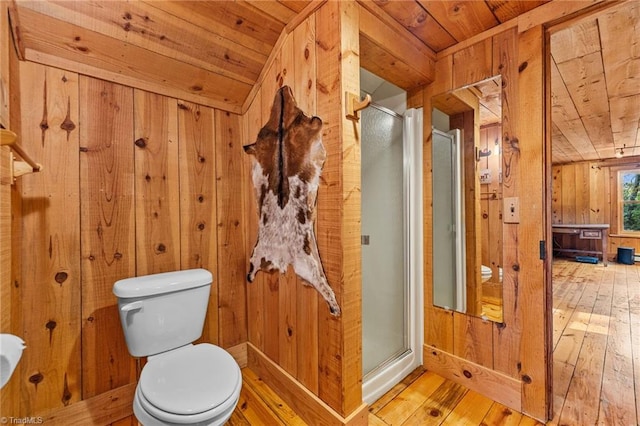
x,y
288,156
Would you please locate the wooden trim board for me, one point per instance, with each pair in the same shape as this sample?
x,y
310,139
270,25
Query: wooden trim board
x,y
105,408
306,404
490,383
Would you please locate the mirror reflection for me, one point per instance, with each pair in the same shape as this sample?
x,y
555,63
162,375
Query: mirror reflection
x,y
467,199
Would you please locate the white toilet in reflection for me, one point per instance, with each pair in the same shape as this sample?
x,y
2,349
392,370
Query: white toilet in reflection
x,y
486,273
181,383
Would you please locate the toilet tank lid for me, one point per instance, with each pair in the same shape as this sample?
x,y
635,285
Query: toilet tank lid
x,y
165,282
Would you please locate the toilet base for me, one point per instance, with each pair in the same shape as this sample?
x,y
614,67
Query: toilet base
x,y
147,419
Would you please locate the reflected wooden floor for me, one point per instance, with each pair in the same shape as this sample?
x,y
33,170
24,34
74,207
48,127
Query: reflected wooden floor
x,y
492,301
596,338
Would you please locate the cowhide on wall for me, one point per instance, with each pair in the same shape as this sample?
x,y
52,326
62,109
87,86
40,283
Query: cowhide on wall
x,y
288,156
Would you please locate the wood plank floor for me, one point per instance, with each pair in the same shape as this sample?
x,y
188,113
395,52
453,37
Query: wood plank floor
x,y
422,398
596,338
596,366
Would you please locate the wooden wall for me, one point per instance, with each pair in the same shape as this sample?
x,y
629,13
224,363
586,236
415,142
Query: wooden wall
x,y
113,202
136,183
296,346
133,183
505,361
585,193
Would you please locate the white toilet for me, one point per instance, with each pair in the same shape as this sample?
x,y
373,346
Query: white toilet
x,y
181,383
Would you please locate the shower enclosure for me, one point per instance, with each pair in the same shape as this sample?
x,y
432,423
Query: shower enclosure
x,y
391,247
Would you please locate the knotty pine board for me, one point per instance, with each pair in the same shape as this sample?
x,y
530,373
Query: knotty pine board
x,y
506,355
232,319
50,369
198,198
108,229
308,301
157,198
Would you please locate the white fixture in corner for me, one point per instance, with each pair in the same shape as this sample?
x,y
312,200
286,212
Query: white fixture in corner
x,y
11,348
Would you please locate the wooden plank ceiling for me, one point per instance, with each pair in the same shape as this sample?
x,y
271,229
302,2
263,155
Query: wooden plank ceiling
x,y
595,84
216,52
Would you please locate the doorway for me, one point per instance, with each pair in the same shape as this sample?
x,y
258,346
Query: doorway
x,y
592,133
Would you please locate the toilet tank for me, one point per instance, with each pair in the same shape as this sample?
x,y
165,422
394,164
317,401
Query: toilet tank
x,y
163,311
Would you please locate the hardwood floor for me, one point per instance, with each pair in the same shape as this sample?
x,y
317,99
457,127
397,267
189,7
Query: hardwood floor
x,y
596,366
596,338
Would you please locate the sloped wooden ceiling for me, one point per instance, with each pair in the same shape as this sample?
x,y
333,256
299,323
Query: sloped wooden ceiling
x,y
216,51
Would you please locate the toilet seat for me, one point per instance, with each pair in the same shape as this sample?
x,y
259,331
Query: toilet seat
x,y
190,384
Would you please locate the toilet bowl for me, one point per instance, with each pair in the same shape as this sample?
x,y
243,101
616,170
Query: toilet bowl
x,y
181,383
194,385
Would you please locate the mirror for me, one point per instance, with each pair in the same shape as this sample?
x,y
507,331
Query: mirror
x,y
467,199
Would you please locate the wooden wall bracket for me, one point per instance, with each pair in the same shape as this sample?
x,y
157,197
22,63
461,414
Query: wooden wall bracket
x,y
353,105
18,168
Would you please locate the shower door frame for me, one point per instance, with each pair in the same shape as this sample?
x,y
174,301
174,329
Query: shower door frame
x,y
393,370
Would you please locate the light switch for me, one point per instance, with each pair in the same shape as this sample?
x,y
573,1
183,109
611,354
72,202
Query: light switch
x,y
511,213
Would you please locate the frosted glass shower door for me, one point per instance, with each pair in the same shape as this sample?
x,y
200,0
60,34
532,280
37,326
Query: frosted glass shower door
x,y
384,281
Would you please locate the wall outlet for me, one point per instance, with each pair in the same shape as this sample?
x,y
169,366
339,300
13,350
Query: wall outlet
x,y
511,212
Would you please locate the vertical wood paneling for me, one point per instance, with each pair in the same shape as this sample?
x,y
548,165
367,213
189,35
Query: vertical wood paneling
x,y
473,339
329,223
556,191
339,212
308,300
582,193
198,243
10,314
111,174
568,197
271,287
288,282
255,291
534,348
156,170
232,321
507,335
108,230
596,187
350,337
50,283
